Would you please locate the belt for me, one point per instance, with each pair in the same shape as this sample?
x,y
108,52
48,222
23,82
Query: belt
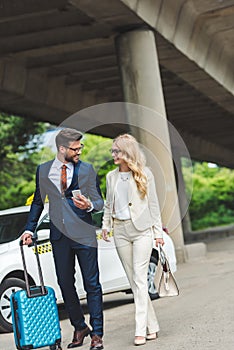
x,y
115,219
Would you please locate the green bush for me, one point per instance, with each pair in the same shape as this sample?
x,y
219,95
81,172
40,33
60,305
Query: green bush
x,y
212,196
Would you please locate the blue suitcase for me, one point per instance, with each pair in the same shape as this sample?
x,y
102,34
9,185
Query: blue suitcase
x,y
35,314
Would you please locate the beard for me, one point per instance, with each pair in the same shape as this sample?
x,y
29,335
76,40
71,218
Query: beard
x,y
72,159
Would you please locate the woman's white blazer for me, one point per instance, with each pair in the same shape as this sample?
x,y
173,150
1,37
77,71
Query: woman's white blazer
x,y
145,213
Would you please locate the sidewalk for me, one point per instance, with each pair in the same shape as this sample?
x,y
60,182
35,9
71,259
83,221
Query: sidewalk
x,y
201,317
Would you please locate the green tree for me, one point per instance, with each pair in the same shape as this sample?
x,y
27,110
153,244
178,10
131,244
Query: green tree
x,y
18,154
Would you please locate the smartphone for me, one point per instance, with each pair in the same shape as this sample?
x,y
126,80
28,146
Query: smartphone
x,y
76,193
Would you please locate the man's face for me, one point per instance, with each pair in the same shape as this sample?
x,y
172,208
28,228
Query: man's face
x,y
73,151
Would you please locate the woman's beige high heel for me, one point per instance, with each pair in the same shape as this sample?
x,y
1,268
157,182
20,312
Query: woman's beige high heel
x,y
151,336
139,341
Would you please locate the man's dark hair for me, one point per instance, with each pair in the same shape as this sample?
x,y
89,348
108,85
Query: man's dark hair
x,y
66,136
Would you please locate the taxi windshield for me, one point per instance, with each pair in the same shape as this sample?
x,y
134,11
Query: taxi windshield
x,y
12,226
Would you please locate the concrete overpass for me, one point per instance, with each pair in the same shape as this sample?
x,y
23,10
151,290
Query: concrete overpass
x,y
58,57
66,48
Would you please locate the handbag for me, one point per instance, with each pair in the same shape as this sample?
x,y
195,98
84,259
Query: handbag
x,y
165,281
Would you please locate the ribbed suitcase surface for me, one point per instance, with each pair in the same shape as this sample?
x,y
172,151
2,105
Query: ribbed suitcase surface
x,y
36,318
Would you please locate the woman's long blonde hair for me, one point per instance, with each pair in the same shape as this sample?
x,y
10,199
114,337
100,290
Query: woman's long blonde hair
x,y
135,159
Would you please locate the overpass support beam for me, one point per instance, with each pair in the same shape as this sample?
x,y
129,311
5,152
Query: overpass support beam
x,y
141,84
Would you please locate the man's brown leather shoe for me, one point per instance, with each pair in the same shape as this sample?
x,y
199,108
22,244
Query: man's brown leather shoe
x,y
96,342
78,338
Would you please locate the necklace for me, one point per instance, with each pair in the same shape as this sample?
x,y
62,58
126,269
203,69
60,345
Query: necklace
x,y
125,176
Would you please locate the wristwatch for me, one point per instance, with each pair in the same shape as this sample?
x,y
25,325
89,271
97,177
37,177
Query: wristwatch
x,y
89,205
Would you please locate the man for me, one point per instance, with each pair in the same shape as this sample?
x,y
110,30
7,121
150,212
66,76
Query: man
x,y
71,231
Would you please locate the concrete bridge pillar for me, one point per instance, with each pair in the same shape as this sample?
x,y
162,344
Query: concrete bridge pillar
x,y
141,84
183,200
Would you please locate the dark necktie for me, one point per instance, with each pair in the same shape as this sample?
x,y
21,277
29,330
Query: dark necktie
x,y
63,178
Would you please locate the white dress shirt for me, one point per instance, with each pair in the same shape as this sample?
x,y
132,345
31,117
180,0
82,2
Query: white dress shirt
x,y
121,207
55,173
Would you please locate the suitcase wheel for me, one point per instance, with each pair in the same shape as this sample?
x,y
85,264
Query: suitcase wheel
x,y
56,347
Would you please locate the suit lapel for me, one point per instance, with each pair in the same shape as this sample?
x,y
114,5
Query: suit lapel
x,y
75,178
45,168
113,183
131,188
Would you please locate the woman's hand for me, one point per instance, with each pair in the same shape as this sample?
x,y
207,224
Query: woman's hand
x,y
159,241
105,235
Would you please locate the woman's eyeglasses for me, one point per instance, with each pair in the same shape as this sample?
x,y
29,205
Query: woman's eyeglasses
x,y
115,151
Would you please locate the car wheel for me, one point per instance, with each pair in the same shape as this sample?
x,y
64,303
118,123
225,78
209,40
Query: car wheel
x,y
8,286
151,275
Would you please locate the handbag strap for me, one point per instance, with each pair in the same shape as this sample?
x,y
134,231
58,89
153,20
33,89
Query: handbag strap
x,y
163,259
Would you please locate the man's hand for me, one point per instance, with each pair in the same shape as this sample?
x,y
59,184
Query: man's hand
x,y
26,238
81,202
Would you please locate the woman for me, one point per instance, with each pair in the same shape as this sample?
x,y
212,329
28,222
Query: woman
x,y
133,212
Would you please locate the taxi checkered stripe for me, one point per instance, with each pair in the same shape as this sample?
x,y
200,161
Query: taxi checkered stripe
x,y
44,248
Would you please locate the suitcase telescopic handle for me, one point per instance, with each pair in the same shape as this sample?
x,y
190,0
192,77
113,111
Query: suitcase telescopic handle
x,y
43,289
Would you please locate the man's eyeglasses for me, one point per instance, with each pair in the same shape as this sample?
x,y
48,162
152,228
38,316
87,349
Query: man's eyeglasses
x,y
78,149
115,151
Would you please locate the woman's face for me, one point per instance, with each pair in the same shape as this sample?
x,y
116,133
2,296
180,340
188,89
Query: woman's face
x,y
116,154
